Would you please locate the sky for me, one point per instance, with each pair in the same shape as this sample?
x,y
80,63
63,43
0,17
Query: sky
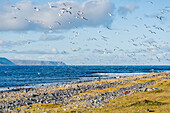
x,y
86,32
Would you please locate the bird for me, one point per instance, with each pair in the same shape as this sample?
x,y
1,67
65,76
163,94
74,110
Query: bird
x,y
36,9
16,7
80,12
82,17
58,23
51,6
135,26
50,29
150,2
67,6
147,26
152,32
138,18
108,28
27,20
59,14
124,18
159,17
63,10
109,14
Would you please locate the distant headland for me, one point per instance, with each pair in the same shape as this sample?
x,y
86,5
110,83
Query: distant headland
x,y
12,62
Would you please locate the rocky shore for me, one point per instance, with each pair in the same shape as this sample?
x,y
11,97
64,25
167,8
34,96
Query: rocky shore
x,y
74,94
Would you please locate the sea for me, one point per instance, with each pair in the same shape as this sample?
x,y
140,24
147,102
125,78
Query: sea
x,y
41,76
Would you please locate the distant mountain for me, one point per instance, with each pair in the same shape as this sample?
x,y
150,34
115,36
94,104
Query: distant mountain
x,y
37,62
4,62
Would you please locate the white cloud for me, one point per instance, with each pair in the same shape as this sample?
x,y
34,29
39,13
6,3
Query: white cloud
x,y
27,18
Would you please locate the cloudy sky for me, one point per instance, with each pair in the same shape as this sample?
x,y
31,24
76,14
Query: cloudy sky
x,y
86,32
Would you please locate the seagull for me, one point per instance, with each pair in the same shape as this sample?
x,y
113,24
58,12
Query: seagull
x,y
150,2
59,14
124,18
36,9
50,29
147,26
82,17
108,28
135,26
138,18
63,10
27,20
80,12
152,32
67,6
51,5
99,31
159,17
58,23
16,7
109,14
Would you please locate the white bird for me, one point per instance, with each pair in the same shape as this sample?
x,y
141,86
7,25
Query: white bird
x,y
80,12
50,29
16,7
59,14
27,20
51,6
150,2
36,9
109,14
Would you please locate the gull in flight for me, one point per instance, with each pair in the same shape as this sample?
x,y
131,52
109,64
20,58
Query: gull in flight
x,y
16,7
50,29
159,17
67,6
51,6
109,14
28,20
150,2
82,17
36,9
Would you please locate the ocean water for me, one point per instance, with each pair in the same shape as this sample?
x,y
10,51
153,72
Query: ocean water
x,y
28,76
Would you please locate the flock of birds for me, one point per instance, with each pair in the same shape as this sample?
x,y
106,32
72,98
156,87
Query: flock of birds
x,y
137,42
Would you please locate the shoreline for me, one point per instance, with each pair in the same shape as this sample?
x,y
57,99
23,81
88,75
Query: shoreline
x,y
103,77
63,94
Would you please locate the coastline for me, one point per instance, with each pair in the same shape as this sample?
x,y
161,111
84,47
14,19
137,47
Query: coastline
x,y
103,76
91,95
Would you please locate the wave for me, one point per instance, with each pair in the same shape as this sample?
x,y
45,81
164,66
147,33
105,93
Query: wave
x,y
119,74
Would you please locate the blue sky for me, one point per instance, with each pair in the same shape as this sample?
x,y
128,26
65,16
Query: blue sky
x,y
116,32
